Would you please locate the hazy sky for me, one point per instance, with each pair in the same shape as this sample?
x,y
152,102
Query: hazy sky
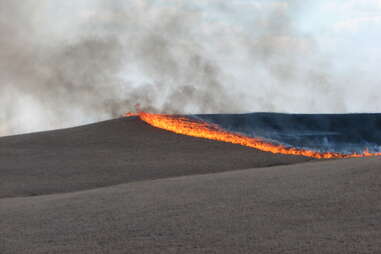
x,y
330,21
71,62
348,31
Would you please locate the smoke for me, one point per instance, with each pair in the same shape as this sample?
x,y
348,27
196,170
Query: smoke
x,y
59,69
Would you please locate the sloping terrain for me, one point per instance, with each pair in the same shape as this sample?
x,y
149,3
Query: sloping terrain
x,y
114,152
122,186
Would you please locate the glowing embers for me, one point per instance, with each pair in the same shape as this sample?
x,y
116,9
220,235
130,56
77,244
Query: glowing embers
x,y
197,128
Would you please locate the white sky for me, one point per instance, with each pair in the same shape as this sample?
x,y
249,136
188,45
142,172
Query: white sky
x,y
325,60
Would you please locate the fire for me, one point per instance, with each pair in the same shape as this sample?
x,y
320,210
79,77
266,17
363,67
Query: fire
x,y
200,129
130,114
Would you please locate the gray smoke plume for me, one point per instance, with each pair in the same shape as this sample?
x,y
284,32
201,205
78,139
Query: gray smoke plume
x,y
167,58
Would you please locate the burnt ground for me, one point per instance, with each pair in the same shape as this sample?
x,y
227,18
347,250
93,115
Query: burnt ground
x,y
122,186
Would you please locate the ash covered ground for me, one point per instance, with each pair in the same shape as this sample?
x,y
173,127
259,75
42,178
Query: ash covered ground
x,y
340,133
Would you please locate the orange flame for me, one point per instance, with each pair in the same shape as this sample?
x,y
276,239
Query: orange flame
x,y
200,129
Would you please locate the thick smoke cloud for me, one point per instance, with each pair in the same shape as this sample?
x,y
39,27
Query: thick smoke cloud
x,y
166,58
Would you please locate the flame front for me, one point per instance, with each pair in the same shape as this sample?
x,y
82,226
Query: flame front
x,y
200,129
